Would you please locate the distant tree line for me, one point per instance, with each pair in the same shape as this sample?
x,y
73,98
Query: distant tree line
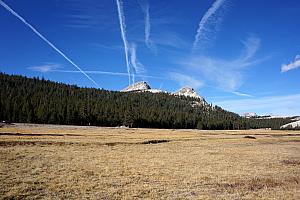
x,y
35,100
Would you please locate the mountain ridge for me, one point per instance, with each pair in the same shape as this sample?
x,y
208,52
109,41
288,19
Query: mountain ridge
x,y
186,91
34,100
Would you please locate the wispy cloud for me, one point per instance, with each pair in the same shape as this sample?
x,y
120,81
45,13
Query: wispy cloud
x,y
47,67
186,80
137,67
225,74
170,39
208,24
45,40
80,21
108,47
87,15
146,10
275,105
293,65
242,94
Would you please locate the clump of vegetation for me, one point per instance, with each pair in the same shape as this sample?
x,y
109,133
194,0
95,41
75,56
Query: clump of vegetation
x,y
291,162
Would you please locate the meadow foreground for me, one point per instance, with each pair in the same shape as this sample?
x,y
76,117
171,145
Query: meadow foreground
x,y
73,162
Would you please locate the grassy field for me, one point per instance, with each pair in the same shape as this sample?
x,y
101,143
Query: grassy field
x,y
72,162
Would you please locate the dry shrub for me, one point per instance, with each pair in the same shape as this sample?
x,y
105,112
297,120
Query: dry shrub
x,y
291,162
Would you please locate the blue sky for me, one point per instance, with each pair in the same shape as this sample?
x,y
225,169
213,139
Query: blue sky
x,y
241,55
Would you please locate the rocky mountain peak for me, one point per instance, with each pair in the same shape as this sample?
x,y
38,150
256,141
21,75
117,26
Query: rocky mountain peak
x,y
138,86
250,114
188,92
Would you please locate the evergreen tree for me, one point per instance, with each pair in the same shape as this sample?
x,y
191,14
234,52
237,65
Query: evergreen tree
x,y
129,118
40,101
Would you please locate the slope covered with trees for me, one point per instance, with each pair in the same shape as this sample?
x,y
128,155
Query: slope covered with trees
x,y
35,100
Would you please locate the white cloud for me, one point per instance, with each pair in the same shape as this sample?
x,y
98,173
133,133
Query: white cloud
x,y
241,94
146,10
251,45
88,14
185,80
47,67
108,47
293,65
225,74
170,39
275,105
136,66
208,24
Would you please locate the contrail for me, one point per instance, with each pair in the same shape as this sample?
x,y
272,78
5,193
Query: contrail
x,y
205,19
133,60
45,40
90,72
109,73
147,26
123,34
137,67
145,8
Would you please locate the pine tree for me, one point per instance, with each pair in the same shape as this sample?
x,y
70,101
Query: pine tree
x,y
40,101
129,118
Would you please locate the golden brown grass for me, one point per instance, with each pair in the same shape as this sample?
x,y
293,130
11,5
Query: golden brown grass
x,y
69,162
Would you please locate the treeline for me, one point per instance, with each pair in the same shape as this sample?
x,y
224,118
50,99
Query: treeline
x,y
35,100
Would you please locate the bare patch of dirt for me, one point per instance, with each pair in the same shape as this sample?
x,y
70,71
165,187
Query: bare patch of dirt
x,y
250,137
256,184
155,141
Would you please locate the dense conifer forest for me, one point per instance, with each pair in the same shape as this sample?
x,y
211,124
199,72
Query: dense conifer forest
x,y
35,100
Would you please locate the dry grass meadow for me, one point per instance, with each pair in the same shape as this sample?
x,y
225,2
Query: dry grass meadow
x,y
72,162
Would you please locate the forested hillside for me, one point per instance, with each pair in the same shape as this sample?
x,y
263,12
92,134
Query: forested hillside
x,y
41,101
